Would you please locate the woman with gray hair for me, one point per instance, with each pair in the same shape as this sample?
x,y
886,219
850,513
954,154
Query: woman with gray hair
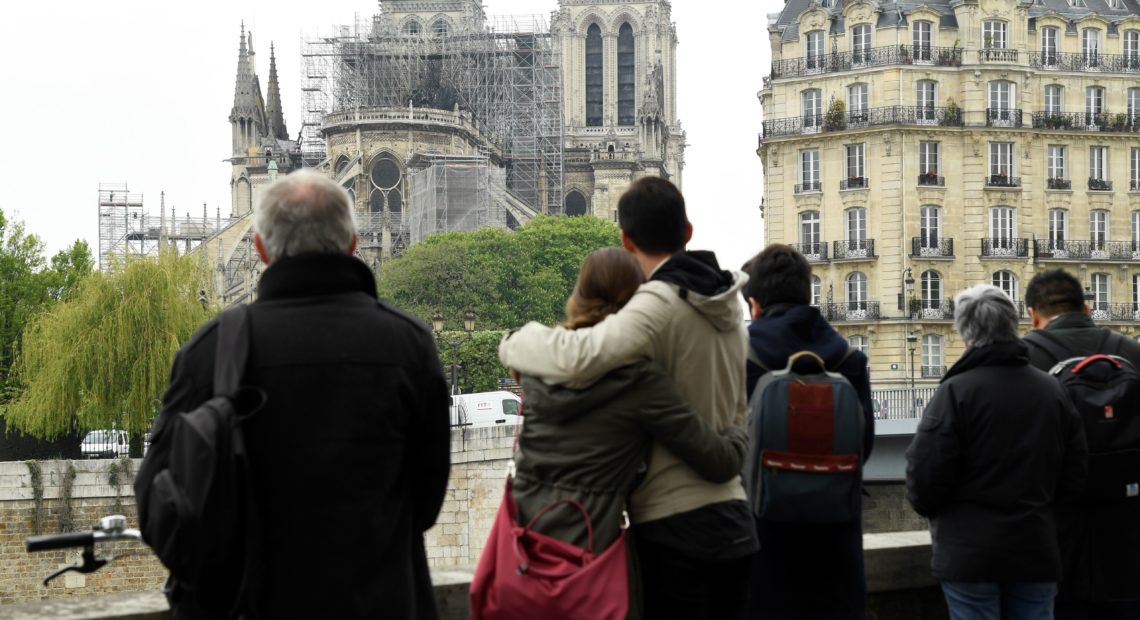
x,y
998,445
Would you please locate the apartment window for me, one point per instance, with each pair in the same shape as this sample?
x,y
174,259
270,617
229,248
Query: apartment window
x,y
810,233
1002,225
921,38
857,290
1094,105
1133,104
1090,46
1001,95
1007,282
926,96
932,358
816,290
809,169
1098,163
811,101
930,226
1054,99
1049,46
928,162
861,344
855,162
626,76
1055,163
857,103
1001,161
861,43
813,46
1101,293
930,288
1134,170
594,76
1135,231
1098,228
1058,229
994,34
1135,294
857,228
1132,49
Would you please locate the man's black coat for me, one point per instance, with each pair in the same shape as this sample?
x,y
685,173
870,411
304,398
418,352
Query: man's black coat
x,y
1100,542
350,454
997,447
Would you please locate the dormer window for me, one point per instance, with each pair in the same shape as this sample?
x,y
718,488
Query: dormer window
x,y
1077,4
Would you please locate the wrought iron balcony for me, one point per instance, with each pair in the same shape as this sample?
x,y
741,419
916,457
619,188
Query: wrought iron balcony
x,y
1002,180
1103,63
1115,312
933,372
860,119
931,309
855,183
854,250
1005,247
807,187
813,252
931,248
1003,117
860,59
1052,183
997,54
851,311
1086,121
1048,249
1099,185
931,179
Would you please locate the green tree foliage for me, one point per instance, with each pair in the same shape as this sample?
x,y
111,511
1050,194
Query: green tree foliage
x,y
102,356
478,357
506,278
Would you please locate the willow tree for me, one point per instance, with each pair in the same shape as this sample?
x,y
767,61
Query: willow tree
x,y
102,356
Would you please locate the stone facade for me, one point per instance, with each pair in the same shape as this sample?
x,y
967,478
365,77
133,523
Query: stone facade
x,y
952,144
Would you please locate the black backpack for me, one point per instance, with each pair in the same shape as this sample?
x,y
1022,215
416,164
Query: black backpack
x,y
193,490
1105,389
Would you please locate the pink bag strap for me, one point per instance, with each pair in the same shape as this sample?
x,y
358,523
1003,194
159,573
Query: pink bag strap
x,y
524,565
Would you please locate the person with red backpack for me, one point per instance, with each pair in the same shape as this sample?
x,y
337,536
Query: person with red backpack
x,y
1100,532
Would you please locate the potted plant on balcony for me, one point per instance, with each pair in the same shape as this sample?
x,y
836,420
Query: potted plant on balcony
x,y
1057,183
834,119
951,114
854,182
1119,122
1098,185
1000,179
930,177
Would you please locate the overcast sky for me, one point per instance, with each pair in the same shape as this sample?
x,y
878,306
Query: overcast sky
x,y
139,91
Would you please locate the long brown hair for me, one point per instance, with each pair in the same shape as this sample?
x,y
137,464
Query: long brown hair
x,y
608,279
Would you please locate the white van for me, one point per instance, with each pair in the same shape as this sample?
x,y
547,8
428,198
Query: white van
x,y
105,444
485,409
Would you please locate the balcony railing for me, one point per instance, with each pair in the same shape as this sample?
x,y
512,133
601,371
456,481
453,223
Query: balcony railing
x,y
1048,249
860,119
1005,247
1099,185
809,186
931,180
1104,63
851,311
813,252
1086,121
931,309
1002,180
1052,183
931,248
933,372
1003,117
997,54
874,57
1115,312
855,183
854,250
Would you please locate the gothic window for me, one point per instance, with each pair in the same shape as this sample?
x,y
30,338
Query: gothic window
x,y
413,28
439,28
594,76
387,191
575,204
625,75
349,187
341,164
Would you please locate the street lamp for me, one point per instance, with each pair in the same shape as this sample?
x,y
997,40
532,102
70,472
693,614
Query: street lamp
x,y
911,341
437,324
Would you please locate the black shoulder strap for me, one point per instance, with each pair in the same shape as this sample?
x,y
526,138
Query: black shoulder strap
x,y
232,351
1044,341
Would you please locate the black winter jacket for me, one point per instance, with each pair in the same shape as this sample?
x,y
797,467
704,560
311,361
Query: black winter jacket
x,y
1100,542
350,454
997,447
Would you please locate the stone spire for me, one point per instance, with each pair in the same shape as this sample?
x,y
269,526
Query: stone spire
x,y
273,101
245,100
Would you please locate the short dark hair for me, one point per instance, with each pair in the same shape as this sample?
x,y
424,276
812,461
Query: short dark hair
x,y
778,274
1054,292
652,214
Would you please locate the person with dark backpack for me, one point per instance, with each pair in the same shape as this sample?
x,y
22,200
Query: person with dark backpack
x,y
344,466
1100,531
810,563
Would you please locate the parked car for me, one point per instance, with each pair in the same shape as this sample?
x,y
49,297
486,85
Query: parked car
x,y
485,409
105,444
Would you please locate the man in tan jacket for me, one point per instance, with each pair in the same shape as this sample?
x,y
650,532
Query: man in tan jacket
x,y
694,538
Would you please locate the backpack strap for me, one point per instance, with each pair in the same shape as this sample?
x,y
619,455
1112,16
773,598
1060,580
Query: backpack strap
x,y
1049,344
232,350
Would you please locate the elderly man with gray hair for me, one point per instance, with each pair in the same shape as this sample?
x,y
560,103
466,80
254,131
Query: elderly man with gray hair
x,y
998,445
349,456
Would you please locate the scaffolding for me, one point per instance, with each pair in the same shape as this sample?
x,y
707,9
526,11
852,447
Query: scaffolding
x,y
505,75
456,193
